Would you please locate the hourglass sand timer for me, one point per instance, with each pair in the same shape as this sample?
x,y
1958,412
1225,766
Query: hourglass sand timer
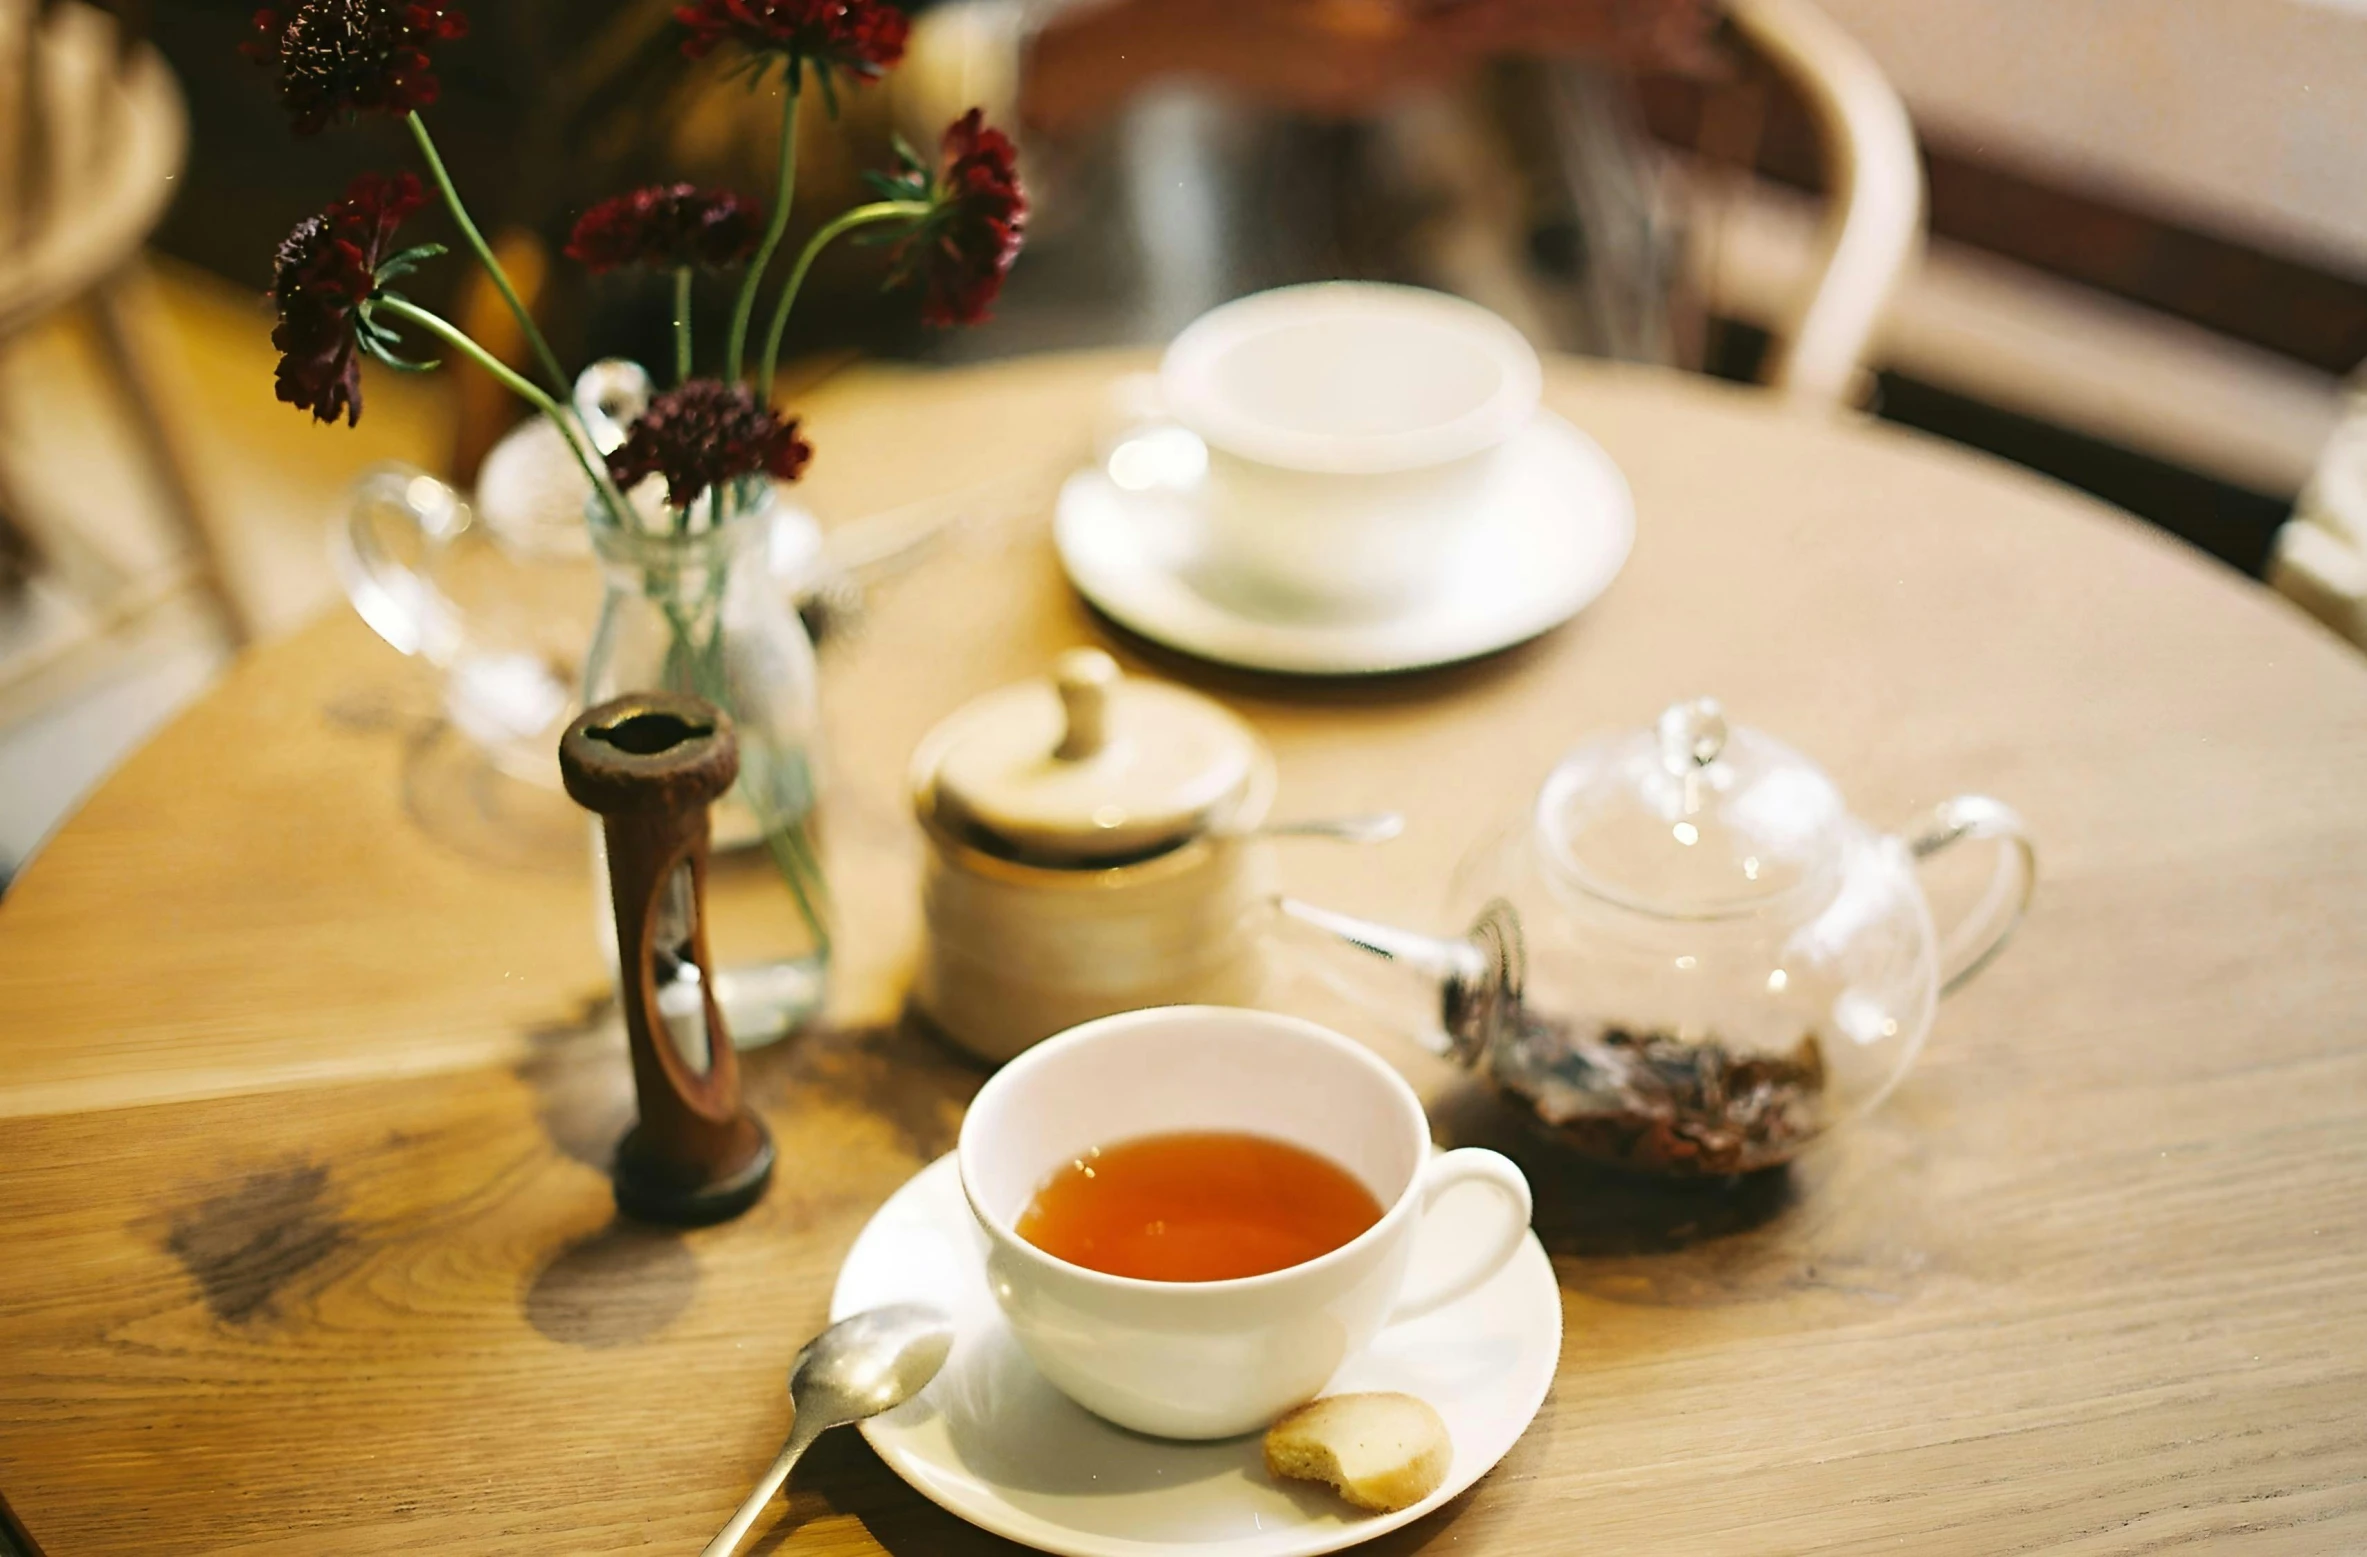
x,y
650,764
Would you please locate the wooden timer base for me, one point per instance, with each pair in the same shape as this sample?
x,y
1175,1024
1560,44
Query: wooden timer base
x,y
650,1189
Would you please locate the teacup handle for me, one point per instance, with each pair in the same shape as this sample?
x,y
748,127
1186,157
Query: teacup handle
x,y
1967,946
395,508
1130,404
1139,445
1471,1165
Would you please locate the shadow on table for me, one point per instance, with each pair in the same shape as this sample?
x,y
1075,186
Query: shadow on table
x,y
1628,1236
900,1073
1384,687
581,1079
463,802
625,1283
454,793
842,1478
618,1287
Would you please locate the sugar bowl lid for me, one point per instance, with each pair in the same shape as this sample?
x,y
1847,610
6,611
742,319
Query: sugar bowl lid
x,y
1085,768
1691,818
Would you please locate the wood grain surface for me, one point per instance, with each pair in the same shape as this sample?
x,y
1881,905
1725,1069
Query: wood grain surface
x,y
307,1076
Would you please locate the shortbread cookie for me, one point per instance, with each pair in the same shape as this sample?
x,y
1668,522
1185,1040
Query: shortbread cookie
x,y
1383,1452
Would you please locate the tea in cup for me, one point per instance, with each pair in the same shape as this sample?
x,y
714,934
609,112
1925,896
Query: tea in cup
x,y
1353,432
1267,1179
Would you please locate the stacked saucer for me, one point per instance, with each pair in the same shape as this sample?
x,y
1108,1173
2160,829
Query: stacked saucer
x,y
1344,479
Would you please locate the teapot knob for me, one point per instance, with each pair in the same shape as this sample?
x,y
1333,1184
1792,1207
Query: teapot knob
x,y
1692,734
1084,678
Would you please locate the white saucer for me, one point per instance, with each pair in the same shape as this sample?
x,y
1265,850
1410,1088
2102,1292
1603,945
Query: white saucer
x,y
1548,542
992,1442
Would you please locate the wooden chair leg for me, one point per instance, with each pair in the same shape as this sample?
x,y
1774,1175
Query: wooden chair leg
x,y
87,562
20,554
139,356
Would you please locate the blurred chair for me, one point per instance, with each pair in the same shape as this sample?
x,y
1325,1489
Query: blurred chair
x,y
1873,229
92,136
2320,560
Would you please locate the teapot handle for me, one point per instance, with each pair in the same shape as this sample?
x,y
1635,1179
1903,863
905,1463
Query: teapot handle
x,y
1967,946
396,510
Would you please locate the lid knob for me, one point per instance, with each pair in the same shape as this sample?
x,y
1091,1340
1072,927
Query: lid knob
x,y
1692,734
1084,677
1088,767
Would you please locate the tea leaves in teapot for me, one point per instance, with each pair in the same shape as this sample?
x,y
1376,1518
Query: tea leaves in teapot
x,y
1657,1103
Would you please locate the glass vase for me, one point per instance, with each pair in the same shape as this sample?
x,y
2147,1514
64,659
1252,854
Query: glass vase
x,y
690,606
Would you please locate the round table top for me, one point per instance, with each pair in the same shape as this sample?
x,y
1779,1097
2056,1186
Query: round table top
x,y
306,1082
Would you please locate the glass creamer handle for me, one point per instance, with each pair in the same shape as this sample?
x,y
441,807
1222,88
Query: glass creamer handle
x,y
609,397
398,518
1967,946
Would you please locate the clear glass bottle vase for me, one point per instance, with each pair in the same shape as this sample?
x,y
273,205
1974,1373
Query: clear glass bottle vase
x,y
690,606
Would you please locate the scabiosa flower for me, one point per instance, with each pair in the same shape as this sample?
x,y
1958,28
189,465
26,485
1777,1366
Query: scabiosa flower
x,y
666,225
960,251
327,270
705,433
337,58
862,37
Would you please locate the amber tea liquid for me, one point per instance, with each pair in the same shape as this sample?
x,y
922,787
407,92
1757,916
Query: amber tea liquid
x,y
1199,1205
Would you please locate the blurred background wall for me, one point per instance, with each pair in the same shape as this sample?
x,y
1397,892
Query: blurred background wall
x,y
2145,274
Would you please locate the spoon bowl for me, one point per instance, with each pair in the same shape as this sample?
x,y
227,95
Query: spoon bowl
x,y
865,1364
870,1362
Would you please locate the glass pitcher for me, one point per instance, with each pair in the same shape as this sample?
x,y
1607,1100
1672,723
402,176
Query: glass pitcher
x,y
501,594
1689,958
501,609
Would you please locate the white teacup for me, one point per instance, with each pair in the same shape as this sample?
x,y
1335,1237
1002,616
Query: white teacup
x,y
1210,1359
1352,431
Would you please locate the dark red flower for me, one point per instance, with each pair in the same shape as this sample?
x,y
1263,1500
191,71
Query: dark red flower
x,y
666,225
326,269
337,58
864,37
960,252
704,433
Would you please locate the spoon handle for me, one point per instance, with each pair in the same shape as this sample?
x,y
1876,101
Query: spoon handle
x,y
767,1485
1371,827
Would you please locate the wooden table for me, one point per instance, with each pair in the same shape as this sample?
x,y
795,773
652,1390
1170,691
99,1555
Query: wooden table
x,y
304,1087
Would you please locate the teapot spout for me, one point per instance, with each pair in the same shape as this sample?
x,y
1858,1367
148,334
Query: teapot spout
x,y
1434,955
1478,975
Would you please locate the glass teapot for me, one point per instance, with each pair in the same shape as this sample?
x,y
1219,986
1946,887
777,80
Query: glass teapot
x,y
1690,959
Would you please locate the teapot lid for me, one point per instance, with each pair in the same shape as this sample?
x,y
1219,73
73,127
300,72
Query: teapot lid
x,y
1087,767
1691,818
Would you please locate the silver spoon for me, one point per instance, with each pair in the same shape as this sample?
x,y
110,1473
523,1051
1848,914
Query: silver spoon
x,y
859,1367
1370,827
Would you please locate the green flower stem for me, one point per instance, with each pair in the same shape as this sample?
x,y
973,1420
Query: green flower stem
x,y
793,857
845,222
784,189
682,324
524,388
687,648
484,252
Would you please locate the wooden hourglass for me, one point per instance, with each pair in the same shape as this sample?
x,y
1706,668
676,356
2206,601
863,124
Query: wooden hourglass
x,y
650,764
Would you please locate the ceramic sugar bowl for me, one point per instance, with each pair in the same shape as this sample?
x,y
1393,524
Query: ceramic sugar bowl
x,y
1088,852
